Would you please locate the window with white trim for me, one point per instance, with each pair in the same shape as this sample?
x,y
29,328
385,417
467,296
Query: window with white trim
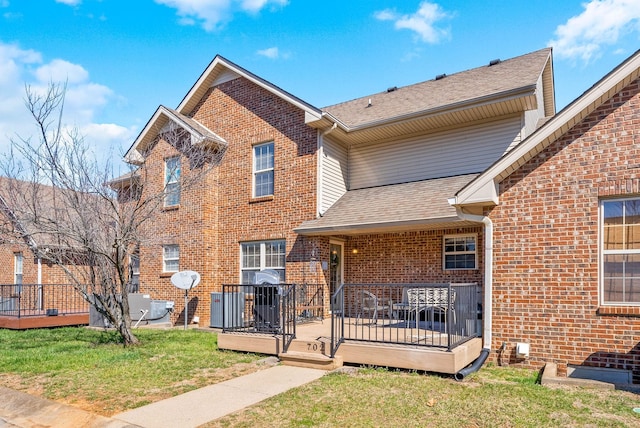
x,y
459,252
257,256
620,247
170,258
172,181
18,264
263,170
134,266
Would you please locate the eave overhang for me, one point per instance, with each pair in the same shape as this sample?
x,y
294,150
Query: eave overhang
x,y
483,189
385,227
515,101
200,135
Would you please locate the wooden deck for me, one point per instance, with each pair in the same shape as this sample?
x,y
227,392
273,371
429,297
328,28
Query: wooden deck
x,y
43,321
314,338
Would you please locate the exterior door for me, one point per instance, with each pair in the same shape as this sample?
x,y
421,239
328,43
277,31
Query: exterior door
x,y
335,271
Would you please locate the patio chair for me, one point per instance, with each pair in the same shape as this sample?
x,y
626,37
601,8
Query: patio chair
x,y
430,299
370,307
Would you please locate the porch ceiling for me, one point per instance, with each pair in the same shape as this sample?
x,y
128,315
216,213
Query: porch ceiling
x,y
418,205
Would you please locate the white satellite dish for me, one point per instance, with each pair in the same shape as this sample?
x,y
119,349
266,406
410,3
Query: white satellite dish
x,y
186,279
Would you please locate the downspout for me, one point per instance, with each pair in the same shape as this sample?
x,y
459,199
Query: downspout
x,y
488,290
40,304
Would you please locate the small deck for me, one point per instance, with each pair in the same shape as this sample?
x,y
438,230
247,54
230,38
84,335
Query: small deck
x,y
43,321
314,338
25,306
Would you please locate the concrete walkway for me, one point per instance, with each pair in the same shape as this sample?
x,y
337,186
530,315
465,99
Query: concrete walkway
x,y
192,409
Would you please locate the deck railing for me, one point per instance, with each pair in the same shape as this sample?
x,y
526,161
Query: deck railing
x,y
30,300
270,309
431,315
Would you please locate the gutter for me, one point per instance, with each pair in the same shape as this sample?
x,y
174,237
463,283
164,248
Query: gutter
x,y
507,95
487,309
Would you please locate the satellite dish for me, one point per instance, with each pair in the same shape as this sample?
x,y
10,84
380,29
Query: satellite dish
x,y
186,279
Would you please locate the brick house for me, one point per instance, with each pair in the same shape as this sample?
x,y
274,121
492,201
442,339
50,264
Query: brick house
x,y
33,292
563,209
351,193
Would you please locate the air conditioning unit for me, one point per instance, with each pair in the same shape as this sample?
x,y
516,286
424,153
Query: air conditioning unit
x,y
233,307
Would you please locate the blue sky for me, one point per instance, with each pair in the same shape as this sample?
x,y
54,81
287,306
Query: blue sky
x,y
122,59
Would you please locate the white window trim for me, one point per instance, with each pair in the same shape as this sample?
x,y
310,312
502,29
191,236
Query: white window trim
x,y
263,257
257,171
602,252
475,252
18,268
165,258
167,180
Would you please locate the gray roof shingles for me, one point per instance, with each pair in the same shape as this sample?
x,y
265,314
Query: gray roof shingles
x,y
418,201
465,86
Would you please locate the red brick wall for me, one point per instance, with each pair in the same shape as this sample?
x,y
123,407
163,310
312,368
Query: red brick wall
x,y
406,257
546,245
220,213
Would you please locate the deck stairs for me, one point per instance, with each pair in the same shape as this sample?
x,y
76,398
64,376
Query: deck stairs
x,y
313,353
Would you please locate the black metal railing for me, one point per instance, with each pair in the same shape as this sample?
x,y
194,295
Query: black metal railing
x,y
270,309
30,300
430,315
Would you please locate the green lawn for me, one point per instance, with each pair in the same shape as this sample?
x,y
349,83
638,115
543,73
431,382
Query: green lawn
x,y
91,370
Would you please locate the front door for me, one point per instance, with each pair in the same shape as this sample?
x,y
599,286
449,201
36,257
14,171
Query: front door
x,y
335,271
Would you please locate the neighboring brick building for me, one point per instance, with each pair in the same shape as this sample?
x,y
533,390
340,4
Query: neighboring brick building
x,y
565,210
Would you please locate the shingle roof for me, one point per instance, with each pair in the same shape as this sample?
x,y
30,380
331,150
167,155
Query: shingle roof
x,y
458,88
392,207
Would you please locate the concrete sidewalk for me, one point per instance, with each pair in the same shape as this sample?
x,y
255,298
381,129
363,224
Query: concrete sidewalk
x,y
192,409
212,402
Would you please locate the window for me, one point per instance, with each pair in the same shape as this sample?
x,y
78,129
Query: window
x,y
257,256
170,258
263,170
134,274
459,252
620,251
172,182
18,262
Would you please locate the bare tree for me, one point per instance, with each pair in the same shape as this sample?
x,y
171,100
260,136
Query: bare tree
x,y
67,206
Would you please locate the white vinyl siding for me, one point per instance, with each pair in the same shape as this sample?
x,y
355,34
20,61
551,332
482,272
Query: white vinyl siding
x,y
454,152
334,173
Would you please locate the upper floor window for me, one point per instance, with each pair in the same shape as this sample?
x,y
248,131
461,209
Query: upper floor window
x,y
459,252
170,258
172,181
620,271
263,170
257,256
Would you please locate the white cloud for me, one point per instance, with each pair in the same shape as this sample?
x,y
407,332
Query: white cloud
x,y
601,23
273,53
84,99
60,70
422,22
269,53
69,2
212,14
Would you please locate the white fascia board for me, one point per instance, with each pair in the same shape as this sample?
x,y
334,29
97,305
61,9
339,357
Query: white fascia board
x,y
475,192
220,61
